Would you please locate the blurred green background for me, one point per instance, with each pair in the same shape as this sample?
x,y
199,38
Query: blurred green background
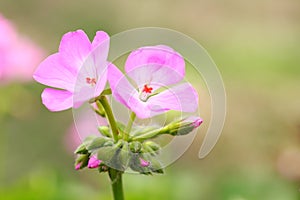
x,y
255,44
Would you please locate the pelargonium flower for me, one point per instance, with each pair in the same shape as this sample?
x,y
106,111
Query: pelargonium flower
x,y
18,55
78,70
153,70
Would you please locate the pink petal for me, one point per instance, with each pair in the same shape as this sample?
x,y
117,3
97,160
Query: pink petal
x,y
77,167
144,163
159,56
194,120
94,162
125,93
155,75
100,48
122,90
57,100
53,72
85,91
102,79
182,97
74,48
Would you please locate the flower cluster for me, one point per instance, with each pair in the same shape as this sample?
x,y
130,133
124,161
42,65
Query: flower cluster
x,y
152,85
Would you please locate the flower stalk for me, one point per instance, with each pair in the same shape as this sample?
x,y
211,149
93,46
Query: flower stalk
x,y
111,119
129,126
116,183
114,175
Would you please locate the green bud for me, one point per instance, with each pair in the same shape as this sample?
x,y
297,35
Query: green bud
x,y
154,146
104,130
100,109
184,126
81,149
135,146
82,160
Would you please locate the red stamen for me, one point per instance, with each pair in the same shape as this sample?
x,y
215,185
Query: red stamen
x,y
147,89
91,81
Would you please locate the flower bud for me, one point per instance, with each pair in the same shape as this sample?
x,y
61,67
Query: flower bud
x,y
195,121
93,162
154,146
104,130
81,161
183,127
98,108
144,163
77,166
135,146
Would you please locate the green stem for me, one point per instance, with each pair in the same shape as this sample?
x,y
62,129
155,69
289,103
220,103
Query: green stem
x,y
129,126
110,117
116,183
150,134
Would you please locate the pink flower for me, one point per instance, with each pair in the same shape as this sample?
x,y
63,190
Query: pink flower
x,y
79,69
18,55
94,162
144,163
153,69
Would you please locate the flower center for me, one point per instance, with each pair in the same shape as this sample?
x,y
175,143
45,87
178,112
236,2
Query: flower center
x,y
147,89
91,81
145,92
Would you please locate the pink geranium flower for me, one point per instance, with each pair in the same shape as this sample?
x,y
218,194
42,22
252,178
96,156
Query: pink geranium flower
x,y
153,70
18,55
79,70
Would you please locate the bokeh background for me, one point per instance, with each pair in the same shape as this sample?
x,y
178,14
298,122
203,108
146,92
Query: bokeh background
x,y
256,46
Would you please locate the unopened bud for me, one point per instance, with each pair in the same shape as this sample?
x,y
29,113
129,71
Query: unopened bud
x,y
93,162
100,109
77,167
135,146
81,161
184,127
154,146
104,130
144,163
